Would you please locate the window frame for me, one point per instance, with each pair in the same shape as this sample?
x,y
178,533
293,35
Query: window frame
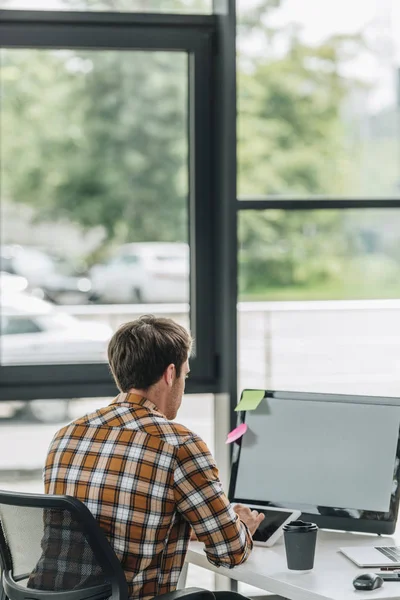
x,y
305,203
194,35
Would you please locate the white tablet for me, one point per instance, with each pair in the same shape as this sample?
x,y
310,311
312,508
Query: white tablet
x,y
270,529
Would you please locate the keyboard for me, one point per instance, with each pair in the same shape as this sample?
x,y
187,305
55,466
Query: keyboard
x,y
391,552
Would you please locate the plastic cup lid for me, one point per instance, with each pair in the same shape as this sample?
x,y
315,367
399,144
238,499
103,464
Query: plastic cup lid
x,y
299,526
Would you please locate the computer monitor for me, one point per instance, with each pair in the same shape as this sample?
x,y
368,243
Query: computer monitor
x,y
335,457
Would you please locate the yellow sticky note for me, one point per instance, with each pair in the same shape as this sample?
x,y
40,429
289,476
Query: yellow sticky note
x,y
250,399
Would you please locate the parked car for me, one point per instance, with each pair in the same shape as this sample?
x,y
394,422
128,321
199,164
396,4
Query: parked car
x,y
12,283
35,331
143,272
48,277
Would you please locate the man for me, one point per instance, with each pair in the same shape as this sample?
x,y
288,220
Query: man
x,y
148,481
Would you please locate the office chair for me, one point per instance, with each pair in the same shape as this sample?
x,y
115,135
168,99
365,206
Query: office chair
x,y
51,547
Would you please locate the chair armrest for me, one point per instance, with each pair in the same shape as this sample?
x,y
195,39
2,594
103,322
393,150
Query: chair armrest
x,y
187,594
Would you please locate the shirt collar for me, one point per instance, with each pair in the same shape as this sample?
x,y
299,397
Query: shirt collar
x,y
126,398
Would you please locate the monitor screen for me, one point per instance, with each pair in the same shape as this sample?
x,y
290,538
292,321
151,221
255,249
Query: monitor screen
x,y
334,457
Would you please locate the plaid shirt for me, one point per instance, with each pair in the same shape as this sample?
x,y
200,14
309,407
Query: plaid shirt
x,y
147,481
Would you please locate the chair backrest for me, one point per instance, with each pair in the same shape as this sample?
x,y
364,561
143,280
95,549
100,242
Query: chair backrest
x,y
53,544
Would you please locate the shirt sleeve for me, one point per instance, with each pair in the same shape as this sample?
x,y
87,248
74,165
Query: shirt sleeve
x,y
201,500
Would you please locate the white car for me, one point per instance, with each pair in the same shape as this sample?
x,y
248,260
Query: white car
x,y
143,272
36,332
46,276
12,283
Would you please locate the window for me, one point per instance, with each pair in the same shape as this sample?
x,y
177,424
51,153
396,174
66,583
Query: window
x,y
319,196
106,166
318,99
320,306
319,255
34,423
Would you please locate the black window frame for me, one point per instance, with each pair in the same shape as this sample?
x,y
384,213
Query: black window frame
x,y
195,35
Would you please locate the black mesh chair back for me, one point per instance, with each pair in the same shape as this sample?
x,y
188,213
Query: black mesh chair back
x,y
52,547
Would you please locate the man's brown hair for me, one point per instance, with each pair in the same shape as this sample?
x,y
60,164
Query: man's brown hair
x,y
141,350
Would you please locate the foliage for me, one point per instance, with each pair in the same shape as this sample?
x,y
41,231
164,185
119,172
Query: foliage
x,y
106,143
291,144
100,138
290,248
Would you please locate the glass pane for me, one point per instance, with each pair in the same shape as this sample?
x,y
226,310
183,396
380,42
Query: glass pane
x,y
320,307
143,6
27,425
94,211
318,98
33,424
319,255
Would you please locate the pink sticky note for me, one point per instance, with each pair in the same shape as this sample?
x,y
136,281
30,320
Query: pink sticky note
x,y
236,433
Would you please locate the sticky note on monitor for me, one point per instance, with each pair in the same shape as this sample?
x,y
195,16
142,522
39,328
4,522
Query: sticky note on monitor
x,y
250,399
236,434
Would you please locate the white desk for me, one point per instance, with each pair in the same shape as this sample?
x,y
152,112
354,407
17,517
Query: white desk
x,y
331,578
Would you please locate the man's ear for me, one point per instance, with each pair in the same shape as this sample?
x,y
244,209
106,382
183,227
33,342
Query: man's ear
x,y
169,374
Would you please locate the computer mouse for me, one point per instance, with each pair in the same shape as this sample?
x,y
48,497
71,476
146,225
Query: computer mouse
x,y
368,581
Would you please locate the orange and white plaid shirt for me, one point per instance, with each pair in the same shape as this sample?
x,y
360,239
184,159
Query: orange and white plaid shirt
x,y
148,481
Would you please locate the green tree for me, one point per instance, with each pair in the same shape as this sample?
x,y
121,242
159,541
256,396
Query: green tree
x,y
291,143
290,133
281,249
100,138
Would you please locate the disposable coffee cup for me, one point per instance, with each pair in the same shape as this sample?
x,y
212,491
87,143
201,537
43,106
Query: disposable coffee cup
x,y
300,540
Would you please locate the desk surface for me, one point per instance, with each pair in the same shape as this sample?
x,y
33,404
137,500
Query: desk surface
x,y
331,578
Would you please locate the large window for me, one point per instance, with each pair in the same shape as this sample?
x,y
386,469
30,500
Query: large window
x,y
106,194
318,96
319,195
90,169
105,185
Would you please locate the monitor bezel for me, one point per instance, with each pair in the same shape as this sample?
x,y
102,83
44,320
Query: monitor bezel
x,y
385,526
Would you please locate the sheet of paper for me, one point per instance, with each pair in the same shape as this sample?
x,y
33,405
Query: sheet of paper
x,y
250,399
236,433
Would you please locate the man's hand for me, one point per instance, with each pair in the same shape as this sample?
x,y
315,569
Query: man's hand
x,y
251,518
